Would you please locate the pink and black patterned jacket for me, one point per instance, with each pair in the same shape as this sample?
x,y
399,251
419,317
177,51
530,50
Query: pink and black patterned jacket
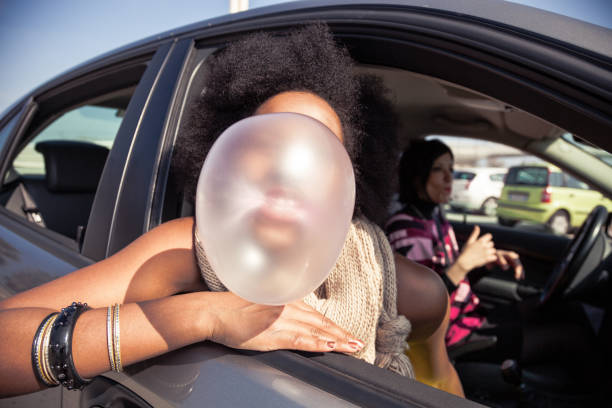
x,y
417,239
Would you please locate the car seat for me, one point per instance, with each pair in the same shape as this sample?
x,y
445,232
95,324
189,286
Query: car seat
x,y
61,200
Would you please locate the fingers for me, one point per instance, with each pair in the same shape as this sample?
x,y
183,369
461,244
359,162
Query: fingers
x,y
515,261
474,235
301,327
491,257
303,313
507,259
297,335
519,271
501,260
486,238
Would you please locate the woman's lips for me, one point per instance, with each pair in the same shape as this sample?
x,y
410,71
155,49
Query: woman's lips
x,y
279,222
281,206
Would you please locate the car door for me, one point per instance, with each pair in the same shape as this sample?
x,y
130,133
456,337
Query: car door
x,y
107,98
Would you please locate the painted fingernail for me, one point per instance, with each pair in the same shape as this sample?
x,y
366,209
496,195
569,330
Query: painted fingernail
x,y
356,344
331,344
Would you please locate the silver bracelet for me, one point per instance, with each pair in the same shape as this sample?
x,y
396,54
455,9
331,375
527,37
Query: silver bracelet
x,y
109,337
117,340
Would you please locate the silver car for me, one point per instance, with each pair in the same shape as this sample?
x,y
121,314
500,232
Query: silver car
x,y
477,189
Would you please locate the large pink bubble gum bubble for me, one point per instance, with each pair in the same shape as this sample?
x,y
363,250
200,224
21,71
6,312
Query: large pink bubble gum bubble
x,y
274,204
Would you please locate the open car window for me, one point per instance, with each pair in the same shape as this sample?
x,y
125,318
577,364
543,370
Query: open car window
x,y
88,124
535,195
56,165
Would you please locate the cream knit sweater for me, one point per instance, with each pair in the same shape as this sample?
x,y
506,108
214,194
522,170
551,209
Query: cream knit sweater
x,y
359,295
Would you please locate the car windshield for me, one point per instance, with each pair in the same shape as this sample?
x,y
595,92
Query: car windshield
x,y
527,176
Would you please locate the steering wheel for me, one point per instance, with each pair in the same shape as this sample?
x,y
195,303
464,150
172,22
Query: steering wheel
x,y
577,252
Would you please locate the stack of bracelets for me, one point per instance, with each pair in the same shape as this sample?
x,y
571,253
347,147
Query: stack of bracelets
x,y
52,347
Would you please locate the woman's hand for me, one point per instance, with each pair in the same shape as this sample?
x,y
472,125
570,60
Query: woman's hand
x,y
241,324
477,251
506,259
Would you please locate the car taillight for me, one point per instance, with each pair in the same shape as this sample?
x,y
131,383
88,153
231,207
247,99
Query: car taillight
x,y
546,195
467,185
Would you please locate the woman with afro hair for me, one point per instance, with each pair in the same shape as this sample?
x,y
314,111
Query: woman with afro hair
x,y
370,303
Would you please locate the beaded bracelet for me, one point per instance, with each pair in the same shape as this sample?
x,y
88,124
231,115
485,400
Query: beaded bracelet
x,y
38,352
60,349
117,340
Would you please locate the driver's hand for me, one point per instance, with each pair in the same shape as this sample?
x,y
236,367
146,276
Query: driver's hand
x,y
507,259
477,251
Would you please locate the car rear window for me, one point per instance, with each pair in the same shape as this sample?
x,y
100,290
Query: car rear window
x,y
527,176
463,175
497,177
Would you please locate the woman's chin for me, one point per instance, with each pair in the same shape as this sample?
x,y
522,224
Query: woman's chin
x,y
444,199
274,234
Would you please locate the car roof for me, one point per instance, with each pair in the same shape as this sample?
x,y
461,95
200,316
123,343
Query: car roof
x,y
546,26
554,26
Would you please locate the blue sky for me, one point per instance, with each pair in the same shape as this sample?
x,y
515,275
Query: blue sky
x,y
40,39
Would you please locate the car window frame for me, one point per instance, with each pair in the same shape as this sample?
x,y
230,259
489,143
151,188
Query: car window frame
x,y
33,119
128,187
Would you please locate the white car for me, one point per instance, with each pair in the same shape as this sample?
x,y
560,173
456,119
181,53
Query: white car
x,y
477,189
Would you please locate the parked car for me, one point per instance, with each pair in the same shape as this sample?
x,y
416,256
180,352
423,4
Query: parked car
x,y
544,194
477,189
505,72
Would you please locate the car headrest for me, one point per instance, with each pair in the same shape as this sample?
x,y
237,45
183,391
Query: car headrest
x,y
72,166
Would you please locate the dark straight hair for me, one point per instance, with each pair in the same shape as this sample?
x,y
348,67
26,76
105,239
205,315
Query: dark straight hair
x,y
415,166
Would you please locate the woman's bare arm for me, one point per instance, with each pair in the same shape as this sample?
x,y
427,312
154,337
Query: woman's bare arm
x,y
423,299
143,277
159,263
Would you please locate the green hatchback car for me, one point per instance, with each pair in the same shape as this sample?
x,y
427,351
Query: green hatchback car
x,y
543,194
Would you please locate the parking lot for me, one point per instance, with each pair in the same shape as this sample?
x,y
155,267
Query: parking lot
x,y
473,218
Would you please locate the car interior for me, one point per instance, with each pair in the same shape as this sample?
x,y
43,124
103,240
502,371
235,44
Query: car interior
x,y
559,270
59,195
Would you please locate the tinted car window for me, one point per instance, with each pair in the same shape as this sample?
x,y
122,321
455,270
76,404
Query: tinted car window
x,y
497,177
571,182
463,175
528,176
556,179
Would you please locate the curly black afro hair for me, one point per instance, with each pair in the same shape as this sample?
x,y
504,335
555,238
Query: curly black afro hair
x,y
246,73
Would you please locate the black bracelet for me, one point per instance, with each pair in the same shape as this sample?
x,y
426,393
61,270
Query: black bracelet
x,y
36,349
450,286
60,347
